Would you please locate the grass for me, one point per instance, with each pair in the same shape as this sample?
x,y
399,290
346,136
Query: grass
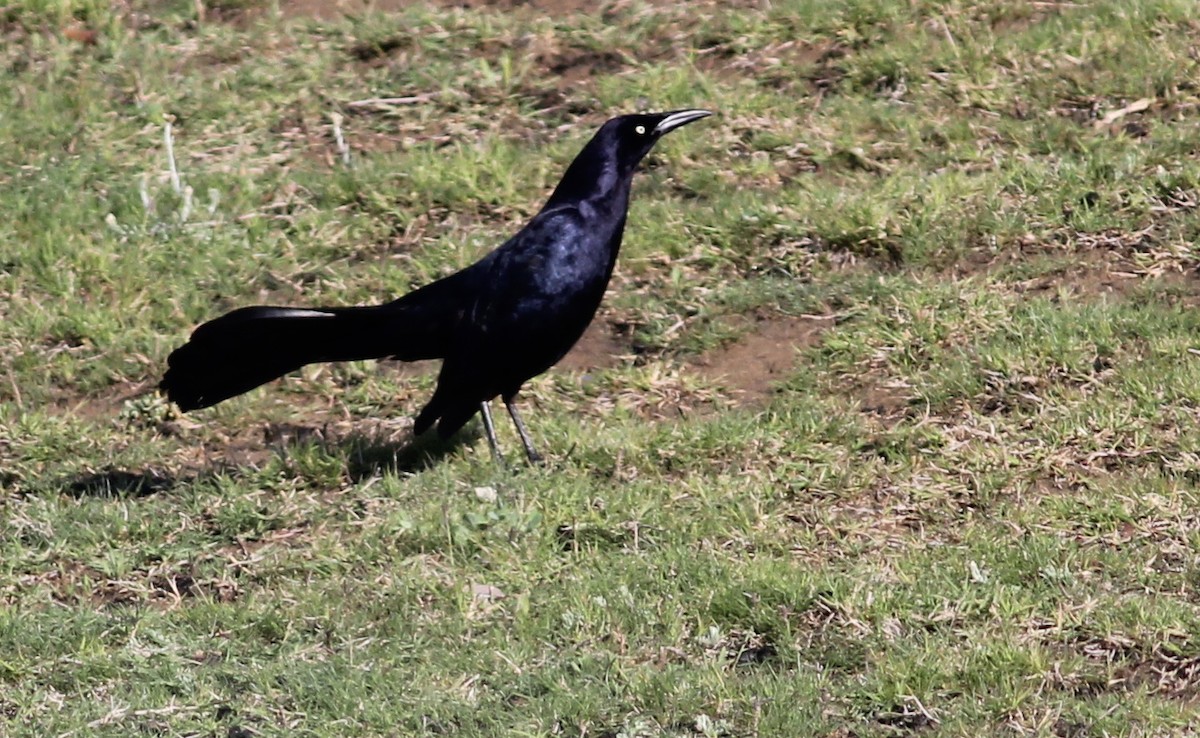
x,y
955,239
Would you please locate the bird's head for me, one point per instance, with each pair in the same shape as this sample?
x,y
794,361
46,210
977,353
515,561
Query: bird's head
x,y
634,135
606,164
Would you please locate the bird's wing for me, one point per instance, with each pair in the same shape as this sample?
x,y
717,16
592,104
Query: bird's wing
x,y
553,261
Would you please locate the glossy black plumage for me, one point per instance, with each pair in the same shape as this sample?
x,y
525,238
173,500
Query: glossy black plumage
x,y
497,323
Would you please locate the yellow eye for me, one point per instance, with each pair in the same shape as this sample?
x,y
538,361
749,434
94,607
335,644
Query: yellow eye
x,y
641,130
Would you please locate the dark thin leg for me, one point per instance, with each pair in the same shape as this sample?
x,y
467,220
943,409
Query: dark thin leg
x,y
490,430
530,451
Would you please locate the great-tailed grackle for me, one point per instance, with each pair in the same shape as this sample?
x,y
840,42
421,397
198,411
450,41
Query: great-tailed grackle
x,y
495,324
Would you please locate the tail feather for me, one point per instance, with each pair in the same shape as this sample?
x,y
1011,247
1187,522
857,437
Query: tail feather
x,y
251,346
248,347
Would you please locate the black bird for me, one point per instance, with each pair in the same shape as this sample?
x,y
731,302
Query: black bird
x,y
495,324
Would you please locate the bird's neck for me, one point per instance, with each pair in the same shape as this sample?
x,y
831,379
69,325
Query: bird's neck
x,y
598,180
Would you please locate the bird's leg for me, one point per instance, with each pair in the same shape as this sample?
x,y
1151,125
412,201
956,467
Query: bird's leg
x,y
490,430
530,451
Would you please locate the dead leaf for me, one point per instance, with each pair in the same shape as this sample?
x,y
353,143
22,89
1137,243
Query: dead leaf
x,y
1114,115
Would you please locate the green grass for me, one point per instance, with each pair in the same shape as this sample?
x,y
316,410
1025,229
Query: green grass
x,y
969,506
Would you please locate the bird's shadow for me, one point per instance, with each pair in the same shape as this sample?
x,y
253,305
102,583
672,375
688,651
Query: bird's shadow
x,y
115,482
367,455
370,456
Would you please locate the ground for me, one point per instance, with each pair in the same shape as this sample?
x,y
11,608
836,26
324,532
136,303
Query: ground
x,y
887,425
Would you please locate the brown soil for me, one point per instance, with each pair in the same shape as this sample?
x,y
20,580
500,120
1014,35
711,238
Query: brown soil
x,y
598,349
764,355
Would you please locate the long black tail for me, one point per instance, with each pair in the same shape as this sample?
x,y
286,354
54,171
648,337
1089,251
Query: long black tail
x,y
245,348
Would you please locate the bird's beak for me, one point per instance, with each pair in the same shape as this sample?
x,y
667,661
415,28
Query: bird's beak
x,y
677,119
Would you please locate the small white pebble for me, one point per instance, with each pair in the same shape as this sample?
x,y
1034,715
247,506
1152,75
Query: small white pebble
x,y
487,494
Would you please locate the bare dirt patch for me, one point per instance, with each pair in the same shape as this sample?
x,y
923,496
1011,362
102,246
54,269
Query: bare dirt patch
x,y
764,355
99,407
599,348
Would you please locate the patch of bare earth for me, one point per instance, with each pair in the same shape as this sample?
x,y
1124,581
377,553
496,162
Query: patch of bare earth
x,y
599,348
98,407
763,356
